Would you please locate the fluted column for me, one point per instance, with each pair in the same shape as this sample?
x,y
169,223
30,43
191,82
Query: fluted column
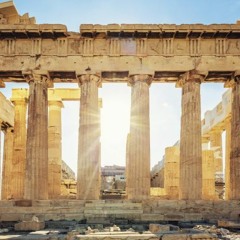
x,y
88,179
227,158
54,149
1,163
171,172
7,164
19,148
127,171
216,146
190,139
138,181
208,175
36,185
235,143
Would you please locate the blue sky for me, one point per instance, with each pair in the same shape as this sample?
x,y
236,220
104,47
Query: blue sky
x,y
74,12
165,99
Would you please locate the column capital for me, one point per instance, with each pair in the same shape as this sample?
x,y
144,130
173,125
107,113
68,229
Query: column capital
x,y
89,78
38,77
232,82
190,76
140,78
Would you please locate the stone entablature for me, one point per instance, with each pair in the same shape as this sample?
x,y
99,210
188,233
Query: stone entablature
x,y
116,52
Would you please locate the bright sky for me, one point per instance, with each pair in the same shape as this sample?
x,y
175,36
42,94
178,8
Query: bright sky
x,y
165,99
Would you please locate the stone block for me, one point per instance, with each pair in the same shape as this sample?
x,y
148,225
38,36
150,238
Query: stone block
x,y
193,217
23,203
174,216
152,217
203,236
234,215
175,237
156,228
12,217
29,226
229,224
5,203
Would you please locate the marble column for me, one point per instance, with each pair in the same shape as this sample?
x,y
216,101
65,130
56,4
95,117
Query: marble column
x,y
54,149
1,163
208,175
216,146
7,166
227,158
190,139
127,171
36,185
19,148
171,172
235,143
89,166
138,181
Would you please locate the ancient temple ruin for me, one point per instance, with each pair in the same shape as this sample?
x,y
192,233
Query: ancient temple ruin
x,y
186,55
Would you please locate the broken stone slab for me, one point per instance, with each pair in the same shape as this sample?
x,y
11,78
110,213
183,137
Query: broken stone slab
x,y
29,226
184,236
118,236
146,236
156,228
